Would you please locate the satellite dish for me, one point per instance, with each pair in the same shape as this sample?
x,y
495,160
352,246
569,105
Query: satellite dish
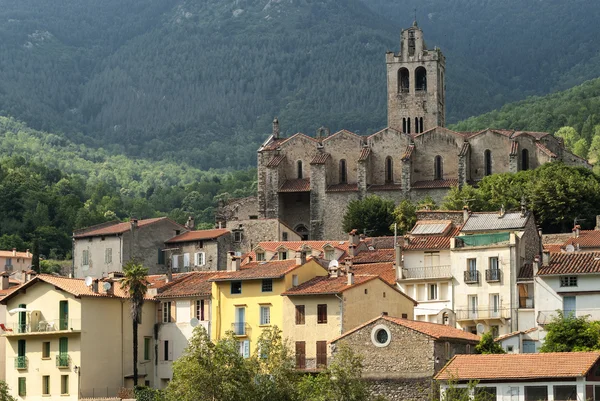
x,y
570,248
106,285
88,281
333,263
480,328
194,322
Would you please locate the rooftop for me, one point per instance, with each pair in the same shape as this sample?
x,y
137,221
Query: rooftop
x,y
586,239
385,270
259,270
572,263
491,221
9,254
198,235
114,227
189,285
324,285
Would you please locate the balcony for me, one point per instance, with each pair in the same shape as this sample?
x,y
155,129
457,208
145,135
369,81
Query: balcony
x,y
427,272
485,313
42,327
471,276
240,328
63,361
21,362
481,240
493,275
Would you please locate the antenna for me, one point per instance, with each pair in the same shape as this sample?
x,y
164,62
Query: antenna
x,y
480,328
333,263
88,281
194,322
106,286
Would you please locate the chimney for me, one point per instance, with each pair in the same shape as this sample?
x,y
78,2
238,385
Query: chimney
x,y
333,270
576,231
523,207
234,262
300,258
190,223
546,258
502,212
350,278
134,223
536,265
352,250
353,237
348,264
597,228
466,213
399,262
14,251
276,128
28,253
95,286
5,281
29,274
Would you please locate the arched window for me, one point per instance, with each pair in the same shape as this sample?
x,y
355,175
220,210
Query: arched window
x,y
421,124
404,125
417,125
302,231
524,159
438,168
421,79
487,162
299,165
403,80
408,125
343,172
389,169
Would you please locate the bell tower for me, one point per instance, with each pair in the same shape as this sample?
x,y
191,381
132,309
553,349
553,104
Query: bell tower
x,y
416,84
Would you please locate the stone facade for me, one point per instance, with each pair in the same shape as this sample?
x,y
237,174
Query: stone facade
x,y
247,234
201,255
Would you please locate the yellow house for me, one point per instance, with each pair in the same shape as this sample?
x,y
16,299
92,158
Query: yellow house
x,y
66,340
248,299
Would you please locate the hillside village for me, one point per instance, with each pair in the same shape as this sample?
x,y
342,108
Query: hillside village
x,y
413,307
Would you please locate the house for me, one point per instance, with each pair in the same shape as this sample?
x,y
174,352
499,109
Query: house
x,y
520,342
15,261
6,287
198,250
184,303
106,247
247,233
525,377
487,256
324,307
401,356
68,340
248,298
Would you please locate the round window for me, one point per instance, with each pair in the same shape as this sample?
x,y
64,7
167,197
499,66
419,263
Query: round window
x,y
381,336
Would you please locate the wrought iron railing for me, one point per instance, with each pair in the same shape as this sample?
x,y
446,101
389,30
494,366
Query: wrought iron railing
x,y
471,276
239,328
21,362
42,326
444,271
485,313
63,360
492,275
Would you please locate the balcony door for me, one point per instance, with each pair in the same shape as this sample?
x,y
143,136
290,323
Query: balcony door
x,y
240,320
473,306
495,305
22,319
431,259
63,310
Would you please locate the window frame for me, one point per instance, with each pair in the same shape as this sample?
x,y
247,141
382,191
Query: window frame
x,y
46,350
265,315
22,386
300,318
166,312
260,257
568,281
237,285
432,295
322,314
107,256
85,257
64,384
266,285
536,397
46,385
200,258
200,315
147,348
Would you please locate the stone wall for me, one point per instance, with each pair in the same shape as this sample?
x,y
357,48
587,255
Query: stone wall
x,y
403,390
259,230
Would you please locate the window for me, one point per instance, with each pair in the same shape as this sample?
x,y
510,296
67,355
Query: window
x,y
493,263
108,256
64,384
421,79
267,285
236,287
329,254
381,336
524,159
472,306
22,387
161,257
284,236
495,306
200,259
299,169
9,262
46,350
294,280
457,393
22,319
245,348
63,352
175,262
300,355
21,355
510,348
564,393
421,124
260,256
147,346
300,314
321,354
85,258
265,315
495,331
237,236
45,385
403,80
487,162
472,264
283,255
186,260
417,125
166,311
408,125
431,259
536,393
343,172
569,305
200,310
404,125
322,313
239,326
389,170
597,392
438,168
432,294
447,350
177,232
167,356
568,281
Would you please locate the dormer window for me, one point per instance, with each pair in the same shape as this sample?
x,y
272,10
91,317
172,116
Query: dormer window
x,y
283,255
260,256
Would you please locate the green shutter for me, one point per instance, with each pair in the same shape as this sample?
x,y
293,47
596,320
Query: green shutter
x,y
161,257
22,387
146,348
63,345
64,315
22,320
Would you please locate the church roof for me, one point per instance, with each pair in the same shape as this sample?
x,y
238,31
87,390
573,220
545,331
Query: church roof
x,y
297,185
435,184
320,158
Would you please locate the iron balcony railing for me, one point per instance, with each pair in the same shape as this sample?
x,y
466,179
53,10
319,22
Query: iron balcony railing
x,y
428,272
492,275
471,276
63,360
482,313
526,302
21,362
239,328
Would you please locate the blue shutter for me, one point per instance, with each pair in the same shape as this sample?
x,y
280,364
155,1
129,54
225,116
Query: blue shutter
x,y
569,305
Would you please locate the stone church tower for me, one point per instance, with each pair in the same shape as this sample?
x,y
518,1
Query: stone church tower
x,y
415,84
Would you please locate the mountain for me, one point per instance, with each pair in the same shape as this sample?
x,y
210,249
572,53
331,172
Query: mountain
x,y
198,82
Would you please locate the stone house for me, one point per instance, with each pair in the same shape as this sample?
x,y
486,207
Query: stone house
x,y
198,250
401,356
106,247
524,377
248,233
15,261
308,181
324,307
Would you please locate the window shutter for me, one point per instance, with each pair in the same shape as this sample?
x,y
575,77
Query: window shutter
x,y
246,348
170,346
161,257
321,354
203,258
197,259
206,308
173,312
186,260
159,317
192,308
300,354
175,261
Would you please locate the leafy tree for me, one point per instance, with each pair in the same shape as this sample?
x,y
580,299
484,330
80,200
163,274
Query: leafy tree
x,y
571,333
135,284
372,216
580,148
487,345
457,198
569,136
468,393
4,392
35,255
10,241
405,216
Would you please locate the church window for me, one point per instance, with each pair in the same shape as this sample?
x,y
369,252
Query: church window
x,y
417,125
302,231
411,43
438,168
299,166
487,156
421,79
343,172
404,125
421,124
408,125
403,80
389,169
524,159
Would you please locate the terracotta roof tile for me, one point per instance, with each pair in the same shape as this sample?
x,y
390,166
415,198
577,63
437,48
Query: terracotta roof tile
x,y
343,188
514,148
259,270
556,238
422,242
380,242
385,187
272,246
408,152
464,149
385,270
320,158
586,239
518,366
364,154
525,272
535,134
553,247
297,185
198,235
436,184
276,161
189,285
117,228
328,285
545,150
375,256
572,263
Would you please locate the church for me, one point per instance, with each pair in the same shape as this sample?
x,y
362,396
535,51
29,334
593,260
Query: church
x,y
306,182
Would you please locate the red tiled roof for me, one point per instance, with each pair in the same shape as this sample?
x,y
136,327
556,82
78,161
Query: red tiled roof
x,y
273,144
272,246
343,188
189,285
464,149
525,272
420,242
385,270
545,150
434,330
514,148
117,228
328,285
276,161
536,135
320,158
380,242
518,366
198,235
364,154
572,263
297,185
436,184
375,256
586,239
259,270
408,152
385,187
553,247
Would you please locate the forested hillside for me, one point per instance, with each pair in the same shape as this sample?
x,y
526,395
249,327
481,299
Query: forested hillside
x,y
199,81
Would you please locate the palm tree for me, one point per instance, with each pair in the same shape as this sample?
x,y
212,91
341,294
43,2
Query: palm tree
x,y
136,286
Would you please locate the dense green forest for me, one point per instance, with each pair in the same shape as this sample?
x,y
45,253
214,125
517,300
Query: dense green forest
x,y
199,82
